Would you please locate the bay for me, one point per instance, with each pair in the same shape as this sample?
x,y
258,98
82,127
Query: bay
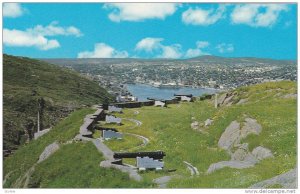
x,y
143,91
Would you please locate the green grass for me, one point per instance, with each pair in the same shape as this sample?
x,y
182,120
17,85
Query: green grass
x,y
26,80
28,154
169,130
77,166
126,144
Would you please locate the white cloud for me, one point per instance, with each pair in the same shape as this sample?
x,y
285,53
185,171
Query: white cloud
x,y
37,36
53,30
202,17
18,38
151,45
139,11
198,51
102,50
225,48
171,52
12,10
257,15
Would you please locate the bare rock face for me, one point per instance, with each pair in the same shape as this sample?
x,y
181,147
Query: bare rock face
x,y
231,164
240,155
222,98
292,96
228,100
230,136
287,180
49,150
250,126
261,153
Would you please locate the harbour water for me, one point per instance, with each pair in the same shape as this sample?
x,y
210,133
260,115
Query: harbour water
x,y
143,91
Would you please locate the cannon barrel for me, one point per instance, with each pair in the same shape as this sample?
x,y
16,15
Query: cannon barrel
x,y
154,155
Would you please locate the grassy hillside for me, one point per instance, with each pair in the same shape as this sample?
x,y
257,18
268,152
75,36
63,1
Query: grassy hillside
x,y
169,130
74,165
27,83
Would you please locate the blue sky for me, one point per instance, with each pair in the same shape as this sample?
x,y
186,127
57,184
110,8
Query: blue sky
x,y
153,30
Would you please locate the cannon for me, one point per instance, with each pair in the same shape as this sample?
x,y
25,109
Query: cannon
x,y
187,95
107,129
155,155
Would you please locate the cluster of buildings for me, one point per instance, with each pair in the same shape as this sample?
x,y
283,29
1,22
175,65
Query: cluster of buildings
x,y
216,73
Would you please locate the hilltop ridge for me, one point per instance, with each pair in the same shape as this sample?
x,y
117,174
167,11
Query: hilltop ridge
x,y
28,83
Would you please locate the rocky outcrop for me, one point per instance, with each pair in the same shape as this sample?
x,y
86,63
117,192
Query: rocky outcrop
x,y
261,153
231,164
230,136
292,96
49,150
195,125
241,157
233,133
208,122
287,180
225,99
250,126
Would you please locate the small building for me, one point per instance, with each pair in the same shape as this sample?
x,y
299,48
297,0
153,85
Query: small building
x,y
114,109
110,134
126,98
143,163
159,103
186,99
112,119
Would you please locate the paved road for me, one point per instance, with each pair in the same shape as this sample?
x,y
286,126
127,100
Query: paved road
x,y
107,153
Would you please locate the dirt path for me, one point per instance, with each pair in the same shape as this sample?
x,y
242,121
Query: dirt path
x,y
144,139
162,181
137,122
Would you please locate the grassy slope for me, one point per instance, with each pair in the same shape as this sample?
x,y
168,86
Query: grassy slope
x,y
77,166
72,166
28,154
27,80
169,130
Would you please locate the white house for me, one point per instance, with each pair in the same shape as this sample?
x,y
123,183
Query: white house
x,y
159,103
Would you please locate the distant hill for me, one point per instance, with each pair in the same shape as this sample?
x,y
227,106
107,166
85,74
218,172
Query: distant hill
x,y
232,60
208,59
28,83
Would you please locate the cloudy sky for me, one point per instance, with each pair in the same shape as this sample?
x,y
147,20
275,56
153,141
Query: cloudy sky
x,y
150,30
